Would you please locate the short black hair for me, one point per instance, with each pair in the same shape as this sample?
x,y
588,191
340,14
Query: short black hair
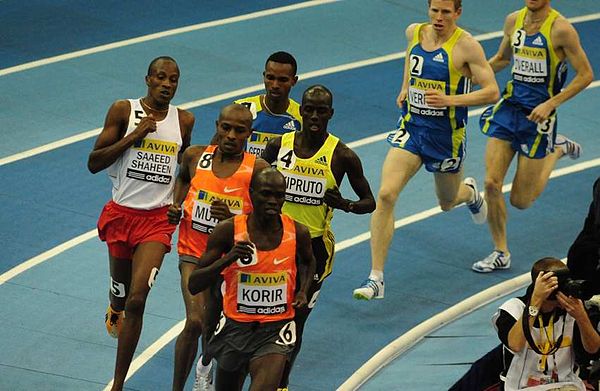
x,y
319,89
283,58
157,59
267,174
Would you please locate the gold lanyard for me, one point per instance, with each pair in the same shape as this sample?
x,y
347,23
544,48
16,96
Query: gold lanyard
x,y
549,345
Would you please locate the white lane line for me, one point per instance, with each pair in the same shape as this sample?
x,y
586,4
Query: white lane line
x,y
151,350
436,210
162,34
257,87
417,333
15,271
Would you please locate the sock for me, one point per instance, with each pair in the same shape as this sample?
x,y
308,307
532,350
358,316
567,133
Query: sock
x,y
473,196
115,311
376,275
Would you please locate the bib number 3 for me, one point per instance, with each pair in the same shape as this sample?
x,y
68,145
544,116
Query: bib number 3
x,y
547,126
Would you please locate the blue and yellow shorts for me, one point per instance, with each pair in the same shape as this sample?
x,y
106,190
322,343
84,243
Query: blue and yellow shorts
x,y
507,121
439,151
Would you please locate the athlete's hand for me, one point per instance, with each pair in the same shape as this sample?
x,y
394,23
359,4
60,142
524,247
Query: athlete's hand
x,y
334,199
572,305
219,210
146,125
545,284
242,249
300,300
174,214
435,98
541,112
401,97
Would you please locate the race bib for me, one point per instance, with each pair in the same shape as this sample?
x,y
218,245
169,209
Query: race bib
x,y
262,293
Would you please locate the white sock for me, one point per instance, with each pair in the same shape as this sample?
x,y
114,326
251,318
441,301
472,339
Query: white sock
x,y
376,275
201,368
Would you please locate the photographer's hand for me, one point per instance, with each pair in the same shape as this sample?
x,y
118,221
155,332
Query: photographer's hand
x,y
589,336
545,284
572,305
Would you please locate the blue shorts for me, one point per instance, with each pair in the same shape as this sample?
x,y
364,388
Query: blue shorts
x,y
507,121
439,151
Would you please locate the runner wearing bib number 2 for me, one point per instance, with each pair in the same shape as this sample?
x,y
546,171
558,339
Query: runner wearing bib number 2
x,y
214,181
540,41
267,264
441,59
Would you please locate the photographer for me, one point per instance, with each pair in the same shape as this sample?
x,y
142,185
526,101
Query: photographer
x,y
543,329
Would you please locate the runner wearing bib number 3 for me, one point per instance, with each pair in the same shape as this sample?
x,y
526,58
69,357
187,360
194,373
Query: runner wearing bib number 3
x,y
266,260
540,41
440,61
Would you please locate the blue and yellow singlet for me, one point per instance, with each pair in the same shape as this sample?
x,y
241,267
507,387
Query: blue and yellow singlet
x,y
267,125
434,71
537,72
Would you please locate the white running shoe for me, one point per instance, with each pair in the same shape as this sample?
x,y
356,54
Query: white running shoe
x,y
569,147
477,207
496,260
370,289
204,377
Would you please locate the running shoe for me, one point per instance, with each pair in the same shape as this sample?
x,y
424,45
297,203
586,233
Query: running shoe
x,y
204,377
370,289
496,260
113,320
570,147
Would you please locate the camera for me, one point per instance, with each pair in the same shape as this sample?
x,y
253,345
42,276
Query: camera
x,y
581,289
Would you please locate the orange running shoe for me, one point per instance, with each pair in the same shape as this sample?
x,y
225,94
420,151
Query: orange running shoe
x,y
113,320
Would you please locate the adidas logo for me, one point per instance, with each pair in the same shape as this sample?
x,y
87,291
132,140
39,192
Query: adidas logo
x,y
290,126
322,160
538,41
438,58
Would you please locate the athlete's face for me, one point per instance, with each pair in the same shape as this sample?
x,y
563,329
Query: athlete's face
x,y
162,81
536,5
268,193
233,129
443,15
279,79
316,111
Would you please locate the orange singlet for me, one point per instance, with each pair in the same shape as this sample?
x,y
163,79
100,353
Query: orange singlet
x,y
262,289
205,186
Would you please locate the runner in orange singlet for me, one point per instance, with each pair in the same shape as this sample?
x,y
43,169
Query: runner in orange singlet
x,y
267,255
215,181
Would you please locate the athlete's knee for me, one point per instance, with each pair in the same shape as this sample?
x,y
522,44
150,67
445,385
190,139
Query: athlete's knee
x,y
521,201
386,199
194,325
135,304
493,187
